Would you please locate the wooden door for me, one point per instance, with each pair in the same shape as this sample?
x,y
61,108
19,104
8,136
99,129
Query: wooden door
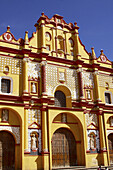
x,y
63,148
110,143
7,151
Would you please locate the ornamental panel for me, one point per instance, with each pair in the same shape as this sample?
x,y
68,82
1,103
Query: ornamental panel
x,y
103,79
15,64
52,80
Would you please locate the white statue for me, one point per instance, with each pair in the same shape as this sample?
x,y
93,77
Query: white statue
x,y
88,94
33,88
5,115
33,142
92,142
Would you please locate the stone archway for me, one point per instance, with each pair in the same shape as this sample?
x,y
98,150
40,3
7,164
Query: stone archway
x,y
63,148
110,144
7,151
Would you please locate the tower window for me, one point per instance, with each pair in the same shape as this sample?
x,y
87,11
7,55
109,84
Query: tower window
x,y
108,98
5,85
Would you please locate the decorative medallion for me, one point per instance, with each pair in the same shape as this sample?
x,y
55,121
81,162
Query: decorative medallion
x,y
103,58
7,36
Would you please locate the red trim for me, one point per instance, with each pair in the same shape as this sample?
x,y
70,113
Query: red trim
x,y
66,122
78,141
45,153
12,104
104,62
11,125
28,153
4,121
93,125
10,98
103,151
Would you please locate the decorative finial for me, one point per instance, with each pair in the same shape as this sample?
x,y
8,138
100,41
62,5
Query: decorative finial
x,y
8,28
93,53
75,23
101,52
42,13
26,37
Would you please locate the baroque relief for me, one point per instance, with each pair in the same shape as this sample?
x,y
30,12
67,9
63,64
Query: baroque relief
x,y
88,79
34,115
91,118
34,70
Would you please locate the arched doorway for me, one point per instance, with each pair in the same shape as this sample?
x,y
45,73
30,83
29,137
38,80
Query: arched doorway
x,y
110,143
63,148
7,151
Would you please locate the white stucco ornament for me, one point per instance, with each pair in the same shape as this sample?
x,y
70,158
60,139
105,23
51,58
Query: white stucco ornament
x,y
33,70
8,37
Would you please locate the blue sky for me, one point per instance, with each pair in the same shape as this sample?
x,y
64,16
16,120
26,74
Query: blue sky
x,y
94,17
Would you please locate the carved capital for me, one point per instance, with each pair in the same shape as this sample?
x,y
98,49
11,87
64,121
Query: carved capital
x,y
43,63
79,70
26,60
96,72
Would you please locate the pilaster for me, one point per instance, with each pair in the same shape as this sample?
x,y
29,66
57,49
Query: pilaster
x,y
102,139
96,84
45,141
25,76
25,131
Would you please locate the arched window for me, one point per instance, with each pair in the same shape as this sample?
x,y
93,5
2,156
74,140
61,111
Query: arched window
x,y
60,99
71,42
60,43
108,97
48,36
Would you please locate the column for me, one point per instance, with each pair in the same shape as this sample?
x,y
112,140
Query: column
x,y
96,84
25,131
56,45
25,76
77,45
45,141
43,37
66,44
53,39
102,140
43,68
79,70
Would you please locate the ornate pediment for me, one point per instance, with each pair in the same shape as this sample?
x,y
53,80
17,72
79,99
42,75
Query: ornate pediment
x,y
34,125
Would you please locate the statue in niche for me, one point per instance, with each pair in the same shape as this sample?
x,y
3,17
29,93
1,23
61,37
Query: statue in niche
x,y
111,121
62,76
5,115
88,94
33,142
33,88
92,142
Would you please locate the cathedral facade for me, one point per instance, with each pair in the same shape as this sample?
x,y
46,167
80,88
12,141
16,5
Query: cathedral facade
x,y
56,100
